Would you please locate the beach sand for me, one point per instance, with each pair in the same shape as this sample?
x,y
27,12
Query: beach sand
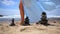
x,y
33,29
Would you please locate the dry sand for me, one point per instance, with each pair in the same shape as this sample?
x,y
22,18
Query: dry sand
x,y
33,29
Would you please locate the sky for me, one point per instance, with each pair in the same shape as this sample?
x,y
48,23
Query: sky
x,y
10,8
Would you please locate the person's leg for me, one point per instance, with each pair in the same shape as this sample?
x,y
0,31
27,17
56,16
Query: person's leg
x,y
21,12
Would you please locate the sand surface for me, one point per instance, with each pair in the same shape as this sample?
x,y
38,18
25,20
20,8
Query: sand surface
x,y
33,29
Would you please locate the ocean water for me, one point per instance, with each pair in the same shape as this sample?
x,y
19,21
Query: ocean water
x,y
9,19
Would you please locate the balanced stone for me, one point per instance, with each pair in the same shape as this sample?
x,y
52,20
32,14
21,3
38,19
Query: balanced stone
x,y
43,19
12,24
26,22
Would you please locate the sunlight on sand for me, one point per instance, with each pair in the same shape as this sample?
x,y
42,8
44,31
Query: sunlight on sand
x,y
33,29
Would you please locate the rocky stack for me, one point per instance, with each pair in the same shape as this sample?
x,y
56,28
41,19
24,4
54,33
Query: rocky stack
x,y
44,19
26,22
12,24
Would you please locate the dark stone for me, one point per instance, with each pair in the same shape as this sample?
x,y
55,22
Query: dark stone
x,y
26,22
54,21
12,24
43,20
37,23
